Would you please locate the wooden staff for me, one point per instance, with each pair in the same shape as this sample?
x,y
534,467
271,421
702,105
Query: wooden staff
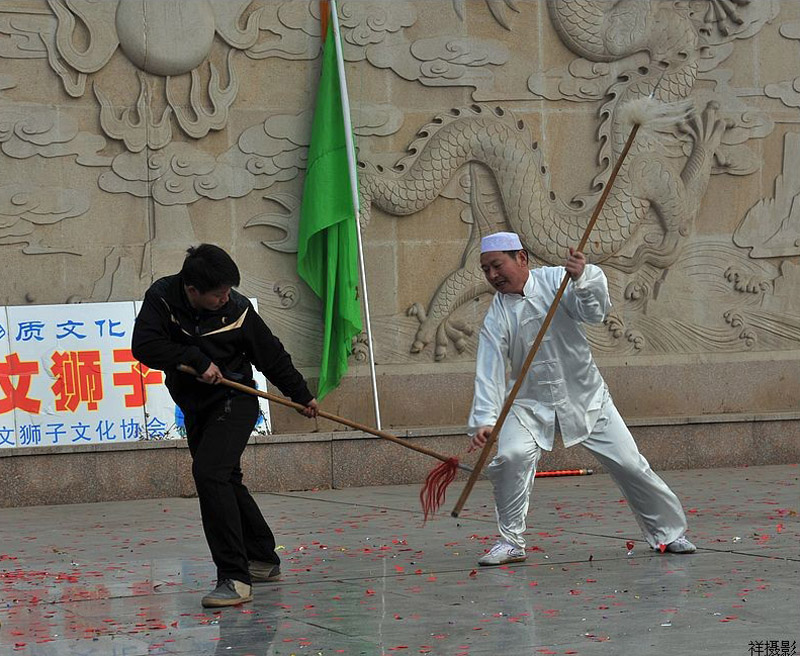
x,y
327,415
545,324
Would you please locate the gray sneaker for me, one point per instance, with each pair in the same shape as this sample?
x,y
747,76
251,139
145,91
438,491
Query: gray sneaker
x,y
261,572
501,553
681,546
228,593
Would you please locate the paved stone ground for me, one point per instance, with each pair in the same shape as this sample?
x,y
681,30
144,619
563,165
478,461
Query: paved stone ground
x,y
362,575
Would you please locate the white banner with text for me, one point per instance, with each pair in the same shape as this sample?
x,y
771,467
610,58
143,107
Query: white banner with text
x,y
67,376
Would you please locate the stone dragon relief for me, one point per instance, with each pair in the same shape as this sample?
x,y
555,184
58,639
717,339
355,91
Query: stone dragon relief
x,y
647,228
185,63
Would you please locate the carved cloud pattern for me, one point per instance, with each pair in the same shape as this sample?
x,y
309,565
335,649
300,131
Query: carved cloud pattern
x,y
788,91
25,206
275,151
25,132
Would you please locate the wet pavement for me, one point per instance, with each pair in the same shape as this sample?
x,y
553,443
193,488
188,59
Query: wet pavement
x,y
363,575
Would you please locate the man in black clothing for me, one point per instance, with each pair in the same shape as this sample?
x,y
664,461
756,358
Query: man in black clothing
x,y
195,318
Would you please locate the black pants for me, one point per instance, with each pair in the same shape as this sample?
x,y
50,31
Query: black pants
x,y
234,526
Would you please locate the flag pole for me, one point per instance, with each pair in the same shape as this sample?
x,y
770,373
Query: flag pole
x,y
351,161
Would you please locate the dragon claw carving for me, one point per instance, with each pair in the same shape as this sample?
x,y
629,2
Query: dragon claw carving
x,y
457,332
442,331
451,330
424,333
706,129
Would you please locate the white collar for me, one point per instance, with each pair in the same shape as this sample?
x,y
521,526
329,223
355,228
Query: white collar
x,y
527,290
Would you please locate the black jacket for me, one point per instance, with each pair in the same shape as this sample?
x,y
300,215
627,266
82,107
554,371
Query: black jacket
x,y
169,332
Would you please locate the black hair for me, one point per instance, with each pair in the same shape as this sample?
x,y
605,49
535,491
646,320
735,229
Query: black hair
x,y
513,253
208,267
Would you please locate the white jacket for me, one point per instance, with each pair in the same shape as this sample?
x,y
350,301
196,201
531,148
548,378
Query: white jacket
x,y
563,381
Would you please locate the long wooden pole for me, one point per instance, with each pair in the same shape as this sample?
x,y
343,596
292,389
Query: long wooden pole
x,y
537,342
327,415
351,172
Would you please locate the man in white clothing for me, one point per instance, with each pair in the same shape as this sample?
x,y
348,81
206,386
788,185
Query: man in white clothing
x,y
562,390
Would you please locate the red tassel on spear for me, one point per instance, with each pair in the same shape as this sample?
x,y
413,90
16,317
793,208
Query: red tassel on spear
x,y
432,494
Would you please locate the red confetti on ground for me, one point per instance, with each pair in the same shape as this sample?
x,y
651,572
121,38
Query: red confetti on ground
x,y
629,545
662,547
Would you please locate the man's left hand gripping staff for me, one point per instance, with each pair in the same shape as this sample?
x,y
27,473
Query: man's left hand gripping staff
x,y
213,376
311,410
480,438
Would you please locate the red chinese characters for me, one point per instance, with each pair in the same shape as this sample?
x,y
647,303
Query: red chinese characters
x,y
16,396
138,377
78,379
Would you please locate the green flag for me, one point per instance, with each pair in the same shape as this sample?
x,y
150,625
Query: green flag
x,y
327,245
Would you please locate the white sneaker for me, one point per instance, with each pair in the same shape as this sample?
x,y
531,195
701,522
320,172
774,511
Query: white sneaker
x,y
681,546
501,553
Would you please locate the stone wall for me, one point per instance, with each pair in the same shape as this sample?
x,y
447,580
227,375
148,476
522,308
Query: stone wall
x,y
131,130
293,461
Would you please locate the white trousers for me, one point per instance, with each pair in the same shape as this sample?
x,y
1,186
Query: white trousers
x,y
655,507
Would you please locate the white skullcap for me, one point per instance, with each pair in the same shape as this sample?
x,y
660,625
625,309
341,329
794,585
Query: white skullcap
x,y
501,241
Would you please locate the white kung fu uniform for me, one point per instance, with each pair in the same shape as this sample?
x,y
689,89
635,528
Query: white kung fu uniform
x,y
564,387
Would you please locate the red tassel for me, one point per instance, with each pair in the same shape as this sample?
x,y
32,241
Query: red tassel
x,y
433,492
